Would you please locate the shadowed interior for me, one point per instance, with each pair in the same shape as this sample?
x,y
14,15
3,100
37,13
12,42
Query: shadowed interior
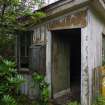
x,y
66,62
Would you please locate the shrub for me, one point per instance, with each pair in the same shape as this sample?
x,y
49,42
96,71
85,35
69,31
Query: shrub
x,y
8,100
10,82
43,86
100,100
25,100
73,103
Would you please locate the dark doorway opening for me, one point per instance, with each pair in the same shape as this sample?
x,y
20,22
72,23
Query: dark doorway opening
x,y
75,64
66,64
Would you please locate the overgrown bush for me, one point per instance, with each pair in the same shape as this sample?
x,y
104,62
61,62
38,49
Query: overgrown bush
x,y
8,100
100,100
73,103
43,86
25,100
10,82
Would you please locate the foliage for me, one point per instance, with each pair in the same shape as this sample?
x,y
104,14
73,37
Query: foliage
x,y
103,62
100,100
10,81
7,46
8,100
16,16
13,17
24,100
43,86
73,103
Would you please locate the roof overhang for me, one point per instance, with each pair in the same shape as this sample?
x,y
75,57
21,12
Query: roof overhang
x,y
99,7
63,6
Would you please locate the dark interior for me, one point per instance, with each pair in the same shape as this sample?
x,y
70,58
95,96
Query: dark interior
x,y
72,37
25,42
75,64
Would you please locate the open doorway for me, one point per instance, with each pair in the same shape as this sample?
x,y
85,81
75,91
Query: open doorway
x,y
66,63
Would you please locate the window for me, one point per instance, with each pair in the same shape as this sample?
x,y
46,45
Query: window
x,y
25,41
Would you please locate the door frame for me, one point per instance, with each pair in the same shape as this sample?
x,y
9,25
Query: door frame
x,y
63,92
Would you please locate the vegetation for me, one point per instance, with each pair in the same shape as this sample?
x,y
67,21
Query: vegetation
x,y
100,100
25,100
16,16
43,86
10,82
73,103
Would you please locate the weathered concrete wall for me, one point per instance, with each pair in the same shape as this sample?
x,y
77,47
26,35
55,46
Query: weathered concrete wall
x,y
91,54
95,27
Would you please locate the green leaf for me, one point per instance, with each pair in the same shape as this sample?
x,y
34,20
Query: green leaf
x,y
8,100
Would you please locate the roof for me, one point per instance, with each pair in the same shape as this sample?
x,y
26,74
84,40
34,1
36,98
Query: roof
x,y
54,4
61,5
64,6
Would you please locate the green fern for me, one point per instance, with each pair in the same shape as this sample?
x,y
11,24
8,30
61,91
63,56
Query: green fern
x,y
100,100
10,82
8,100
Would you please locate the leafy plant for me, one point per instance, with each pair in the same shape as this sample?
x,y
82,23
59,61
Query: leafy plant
x,y
8,100
73,103
43,86
16,16
10,82
100,100
25,100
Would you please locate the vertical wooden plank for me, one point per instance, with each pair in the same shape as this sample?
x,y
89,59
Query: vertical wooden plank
x,y
38,59
38,34
60,63
46,32
34,36
42,33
